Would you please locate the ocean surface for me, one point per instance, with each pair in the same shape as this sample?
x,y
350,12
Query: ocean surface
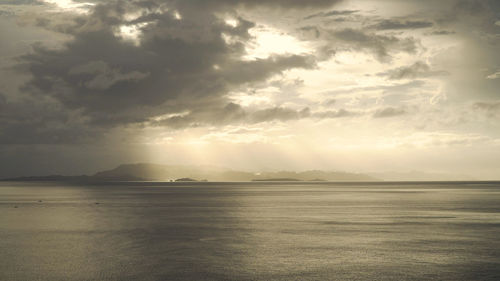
x,y
249,231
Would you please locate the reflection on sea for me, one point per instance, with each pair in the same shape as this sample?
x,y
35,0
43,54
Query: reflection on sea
x,y
250,231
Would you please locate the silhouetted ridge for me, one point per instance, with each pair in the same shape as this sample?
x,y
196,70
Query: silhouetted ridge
x,y
158,172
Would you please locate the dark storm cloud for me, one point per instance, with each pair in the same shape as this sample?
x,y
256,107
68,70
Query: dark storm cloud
x,y
99,80
381,45
417,70
41,121
401,24
179,64
389,112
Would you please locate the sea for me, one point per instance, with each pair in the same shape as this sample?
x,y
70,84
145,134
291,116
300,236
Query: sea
x,y
250,231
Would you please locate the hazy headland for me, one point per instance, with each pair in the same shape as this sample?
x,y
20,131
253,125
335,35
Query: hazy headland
x,y
157,172
161,172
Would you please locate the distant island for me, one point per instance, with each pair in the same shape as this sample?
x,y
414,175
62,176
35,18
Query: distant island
x,y
185,179
179,173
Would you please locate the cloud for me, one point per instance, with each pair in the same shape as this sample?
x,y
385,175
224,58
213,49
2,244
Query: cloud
x,y
236,114
125,63
231,114
331,13
329,102
494,105
442,139
471,7
20,2
417,70
389,112
113,81
218,5
491,108
38,120
442,32
307,31
401,24
278,113
102,76
381,45
335,114
495,75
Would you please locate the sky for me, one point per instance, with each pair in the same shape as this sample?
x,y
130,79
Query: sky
x,y
358,86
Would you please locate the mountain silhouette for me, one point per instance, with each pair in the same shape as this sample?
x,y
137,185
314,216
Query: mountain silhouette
x,y
159,172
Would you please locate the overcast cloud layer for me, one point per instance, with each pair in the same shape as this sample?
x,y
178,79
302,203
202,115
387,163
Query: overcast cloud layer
x,y
329,84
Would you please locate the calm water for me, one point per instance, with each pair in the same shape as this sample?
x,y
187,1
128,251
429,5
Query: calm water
x,y
208,231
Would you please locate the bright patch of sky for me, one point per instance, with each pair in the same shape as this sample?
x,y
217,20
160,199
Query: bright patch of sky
x,y
70,5
131,32
268,41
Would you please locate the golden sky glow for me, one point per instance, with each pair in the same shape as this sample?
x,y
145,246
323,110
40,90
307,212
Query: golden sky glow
x,y
362,86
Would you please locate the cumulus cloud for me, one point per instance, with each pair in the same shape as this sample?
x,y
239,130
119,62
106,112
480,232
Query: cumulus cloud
x,y
127,62
182,60
136,70
179,64
131,62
